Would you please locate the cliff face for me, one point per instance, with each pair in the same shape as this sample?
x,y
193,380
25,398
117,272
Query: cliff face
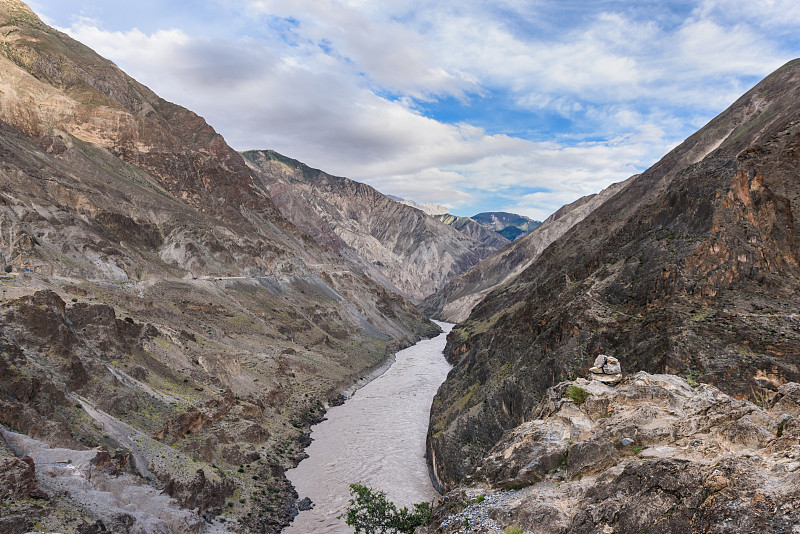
x,y
416,253
158,305
692,268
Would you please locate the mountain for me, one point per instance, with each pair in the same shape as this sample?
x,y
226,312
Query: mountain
x,y
427,207
486,227
511,232
472,229
693,267
167,336
455,301
509,225
416,253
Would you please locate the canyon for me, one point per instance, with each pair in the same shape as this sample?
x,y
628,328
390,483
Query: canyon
x,y
176,315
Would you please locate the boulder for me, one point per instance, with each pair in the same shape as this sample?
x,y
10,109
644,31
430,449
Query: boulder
x,y
18,479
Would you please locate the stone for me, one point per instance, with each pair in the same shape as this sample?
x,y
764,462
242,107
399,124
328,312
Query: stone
x,y
600,361
612,366
305,504
608,379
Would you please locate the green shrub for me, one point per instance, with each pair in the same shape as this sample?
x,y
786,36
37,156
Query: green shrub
x,y
577,394
512,530
370,512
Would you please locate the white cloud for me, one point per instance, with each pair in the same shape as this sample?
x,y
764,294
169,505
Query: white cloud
x,y
773,14
341,85
390,53
311,109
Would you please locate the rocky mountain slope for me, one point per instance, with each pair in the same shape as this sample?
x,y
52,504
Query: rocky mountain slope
x,y
455,300
652,454
414,252
162,321
693,268
472,229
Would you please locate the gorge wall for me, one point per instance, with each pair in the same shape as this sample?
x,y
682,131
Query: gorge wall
x,y
691,268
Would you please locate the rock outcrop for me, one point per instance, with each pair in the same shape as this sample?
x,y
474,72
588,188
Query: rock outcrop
x,y
652,454
693,267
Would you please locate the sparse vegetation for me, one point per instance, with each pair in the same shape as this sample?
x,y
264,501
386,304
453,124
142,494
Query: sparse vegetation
x,y
512,530
370,512
577,394
760,398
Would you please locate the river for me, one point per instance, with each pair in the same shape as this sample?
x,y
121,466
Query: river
x,y
376,438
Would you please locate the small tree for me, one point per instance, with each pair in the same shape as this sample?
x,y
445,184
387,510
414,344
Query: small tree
x,y
371,513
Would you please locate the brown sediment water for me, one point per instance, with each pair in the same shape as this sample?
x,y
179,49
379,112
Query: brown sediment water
x,y
376,438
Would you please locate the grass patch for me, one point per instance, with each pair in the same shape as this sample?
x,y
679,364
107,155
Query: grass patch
x,y
577,394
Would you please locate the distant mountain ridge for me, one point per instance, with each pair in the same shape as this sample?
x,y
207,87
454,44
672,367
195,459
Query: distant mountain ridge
x,y
508,225
476,231
501,220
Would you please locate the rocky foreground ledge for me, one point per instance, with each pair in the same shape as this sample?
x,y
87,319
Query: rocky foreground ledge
x,y
651,454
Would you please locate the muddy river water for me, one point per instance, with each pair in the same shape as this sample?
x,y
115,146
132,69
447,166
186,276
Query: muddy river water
x,y
376,438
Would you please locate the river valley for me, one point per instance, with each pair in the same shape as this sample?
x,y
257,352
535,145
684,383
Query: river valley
x,y
376,438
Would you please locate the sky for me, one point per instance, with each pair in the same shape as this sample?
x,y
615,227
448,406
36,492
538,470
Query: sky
x,y
479,105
